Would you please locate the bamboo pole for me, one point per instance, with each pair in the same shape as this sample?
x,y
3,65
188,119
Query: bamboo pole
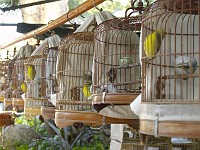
x,y
59,21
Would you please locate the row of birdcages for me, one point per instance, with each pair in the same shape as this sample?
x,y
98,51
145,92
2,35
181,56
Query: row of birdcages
x,y
92,77
93,74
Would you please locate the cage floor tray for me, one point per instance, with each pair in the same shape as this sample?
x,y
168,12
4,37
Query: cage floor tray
x,y
32,111
65,118
101,101
48,112
170,120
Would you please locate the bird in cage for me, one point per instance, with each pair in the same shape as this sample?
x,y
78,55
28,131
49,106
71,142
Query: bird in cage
x,y
152,43
108,85
112,74
108,88
13,86
23,87
86,89
185,65
31,72
75,93
88,77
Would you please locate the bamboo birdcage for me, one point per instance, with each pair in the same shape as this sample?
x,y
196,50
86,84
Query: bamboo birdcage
x,y
50,61
117,70
8,94
170,76
36,86
75,60
3,69
18,73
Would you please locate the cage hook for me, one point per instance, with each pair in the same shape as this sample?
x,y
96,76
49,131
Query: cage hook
x,y
82,16
139,8
68,17
74,25
101,9
156,125
103,123
52,32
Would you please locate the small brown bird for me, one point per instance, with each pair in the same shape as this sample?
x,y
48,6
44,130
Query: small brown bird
x,y
112,74
75,93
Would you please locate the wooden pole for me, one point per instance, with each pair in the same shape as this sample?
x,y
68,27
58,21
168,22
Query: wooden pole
x,y
59,21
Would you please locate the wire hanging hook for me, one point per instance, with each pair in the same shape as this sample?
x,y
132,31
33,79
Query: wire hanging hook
x,y
82,16
74,25
101,9
51,32
68,17
139,8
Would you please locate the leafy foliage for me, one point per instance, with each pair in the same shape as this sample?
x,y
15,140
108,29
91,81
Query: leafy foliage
x,y
76,137
9,2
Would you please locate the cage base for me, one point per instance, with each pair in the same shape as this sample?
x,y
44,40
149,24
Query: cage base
x,y
8,104
188,129
18,104
66,118
48,112
171,120
100,102
32,111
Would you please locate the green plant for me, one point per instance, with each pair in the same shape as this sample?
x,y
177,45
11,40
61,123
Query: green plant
x,y
75,137
31,121
22,147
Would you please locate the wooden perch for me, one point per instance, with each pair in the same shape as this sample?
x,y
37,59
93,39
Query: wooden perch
x,y
59,21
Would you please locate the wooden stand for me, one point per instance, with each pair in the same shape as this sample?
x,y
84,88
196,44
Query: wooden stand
x,y
18,104
8,104
32,106
48,112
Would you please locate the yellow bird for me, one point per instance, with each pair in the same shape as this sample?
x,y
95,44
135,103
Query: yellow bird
x,y
86,89
23,87
31,72
13,86
152,43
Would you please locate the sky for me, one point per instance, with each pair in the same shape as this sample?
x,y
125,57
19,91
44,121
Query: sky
x,y
8,33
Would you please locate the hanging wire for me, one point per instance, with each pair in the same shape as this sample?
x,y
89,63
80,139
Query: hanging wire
x,y
101,9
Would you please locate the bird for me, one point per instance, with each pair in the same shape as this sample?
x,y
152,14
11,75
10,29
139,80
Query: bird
x,y
31,72
23,87
88,76
13,86
108,88
86,89
112,74
75,93
152,43
185,65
